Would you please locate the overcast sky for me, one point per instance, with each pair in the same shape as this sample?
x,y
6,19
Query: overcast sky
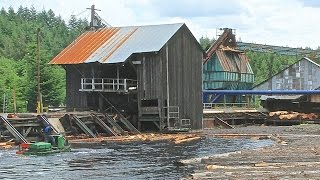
x,y
293,23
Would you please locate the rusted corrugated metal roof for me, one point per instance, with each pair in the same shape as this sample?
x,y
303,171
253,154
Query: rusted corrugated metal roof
x,y
116,44
233,61
243,63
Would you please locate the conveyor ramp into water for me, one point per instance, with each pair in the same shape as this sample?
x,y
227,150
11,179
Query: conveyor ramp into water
x,y
99,121
116,126
46,122
223,123
124,120
13,130
129,125
83,126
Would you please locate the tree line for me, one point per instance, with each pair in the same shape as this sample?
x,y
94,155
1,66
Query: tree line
x,y
18,56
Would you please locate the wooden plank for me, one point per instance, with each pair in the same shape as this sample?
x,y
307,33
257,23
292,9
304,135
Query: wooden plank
x,y
223,123
149,110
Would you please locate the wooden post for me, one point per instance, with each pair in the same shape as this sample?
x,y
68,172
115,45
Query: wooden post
x,y
118,75
14,100
4,103
160,100
144,75
39,103
168,94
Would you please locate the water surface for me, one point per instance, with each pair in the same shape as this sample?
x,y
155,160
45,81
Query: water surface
x,y
119,161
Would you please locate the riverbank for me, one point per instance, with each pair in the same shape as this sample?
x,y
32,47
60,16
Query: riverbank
x,y
295,155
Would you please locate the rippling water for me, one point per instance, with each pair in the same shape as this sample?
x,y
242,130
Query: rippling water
x,y
118,161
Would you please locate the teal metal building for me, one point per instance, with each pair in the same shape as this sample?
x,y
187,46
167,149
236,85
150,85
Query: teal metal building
x,y
226,68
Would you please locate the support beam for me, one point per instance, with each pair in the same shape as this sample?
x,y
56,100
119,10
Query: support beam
x,y
261,92
115,125
223,123
104,126
26,132
13,130
83,126
156,124
168,94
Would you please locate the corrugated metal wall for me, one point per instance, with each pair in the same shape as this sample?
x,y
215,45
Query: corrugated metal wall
x,y
228,70
303,75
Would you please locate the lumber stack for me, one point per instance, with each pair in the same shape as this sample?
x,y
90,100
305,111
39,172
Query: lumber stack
x,y
291,115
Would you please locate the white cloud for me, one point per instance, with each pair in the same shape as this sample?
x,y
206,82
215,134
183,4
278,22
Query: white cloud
x,y
284,22
277,22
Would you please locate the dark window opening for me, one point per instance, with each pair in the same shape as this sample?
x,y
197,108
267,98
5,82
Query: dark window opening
x,y
149,103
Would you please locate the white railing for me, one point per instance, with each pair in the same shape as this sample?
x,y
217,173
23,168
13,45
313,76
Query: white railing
x,y
185,123
173,112
223,105
107,84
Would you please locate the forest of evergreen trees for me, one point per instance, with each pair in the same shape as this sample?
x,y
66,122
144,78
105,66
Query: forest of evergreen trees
x,y
18,57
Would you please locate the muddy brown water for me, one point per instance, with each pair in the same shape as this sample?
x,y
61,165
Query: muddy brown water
x,y
119,161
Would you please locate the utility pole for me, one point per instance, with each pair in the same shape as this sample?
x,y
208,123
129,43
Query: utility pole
x,y
39,99
14,101
4,103
92,23
270,69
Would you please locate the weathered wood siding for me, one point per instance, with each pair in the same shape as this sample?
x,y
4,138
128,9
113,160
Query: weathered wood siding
x,y
75,99
303,75
185,75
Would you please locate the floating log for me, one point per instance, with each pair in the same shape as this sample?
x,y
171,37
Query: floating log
x,y
239,135
7,145
135,138
214,167
186,140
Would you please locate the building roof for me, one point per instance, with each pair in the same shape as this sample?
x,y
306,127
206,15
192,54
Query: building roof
x,y
264,48
116,44
233,61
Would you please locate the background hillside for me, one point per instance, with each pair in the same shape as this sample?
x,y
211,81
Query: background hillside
x,y
18,57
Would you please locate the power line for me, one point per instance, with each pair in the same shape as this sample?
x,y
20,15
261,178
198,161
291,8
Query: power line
x,y
81,13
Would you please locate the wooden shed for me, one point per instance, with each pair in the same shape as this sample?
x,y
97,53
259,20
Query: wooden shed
x,y
302,75
150,74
